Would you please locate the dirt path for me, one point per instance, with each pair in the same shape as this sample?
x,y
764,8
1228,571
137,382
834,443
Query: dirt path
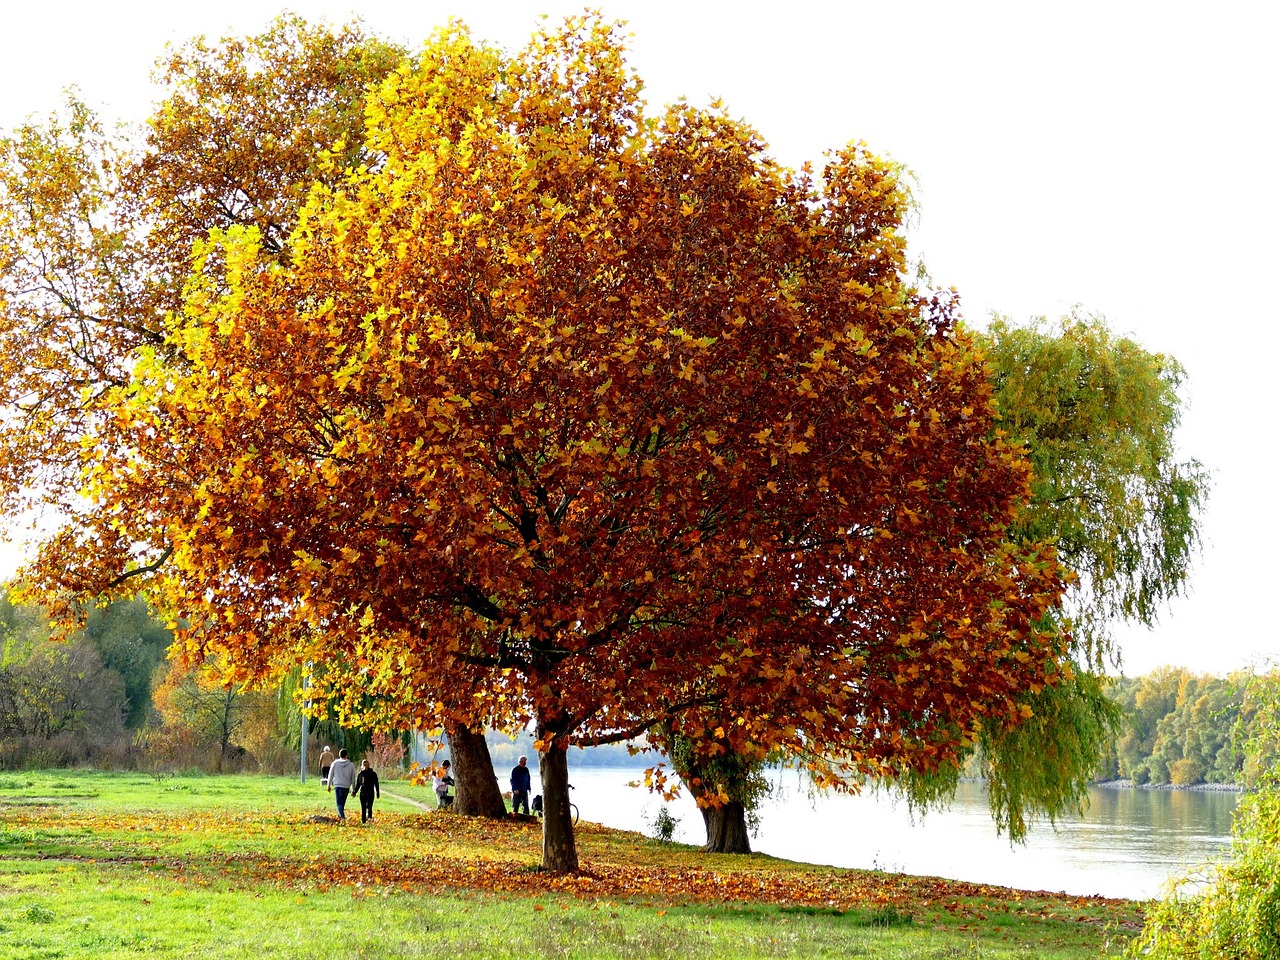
x,y
413,803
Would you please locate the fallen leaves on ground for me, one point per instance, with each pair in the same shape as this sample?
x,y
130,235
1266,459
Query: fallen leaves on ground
x,y
439,853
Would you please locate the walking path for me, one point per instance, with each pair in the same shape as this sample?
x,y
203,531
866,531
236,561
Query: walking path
x,y
413,803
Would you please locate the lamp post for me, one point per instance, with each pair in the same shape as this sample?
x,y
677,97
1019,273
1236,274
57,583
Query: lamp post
x,y
306,705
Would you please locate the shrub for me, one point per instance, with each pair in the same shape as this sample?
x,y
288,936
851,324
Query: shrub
x,y
1185,772
386,753
662,825
1238,916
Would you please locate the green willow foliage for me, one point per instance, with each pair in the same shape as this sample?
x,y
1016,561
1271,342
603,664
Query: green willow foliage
x,y
1042,767
1097,415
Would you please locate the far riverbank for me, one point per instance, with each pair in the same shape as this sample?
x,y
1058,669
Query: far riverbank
x,y
1188,787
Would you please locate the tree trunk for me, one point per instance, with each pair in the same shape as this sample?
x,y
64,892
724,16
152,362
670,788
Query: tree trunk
x,y
726,828
727,823
559,851
477,790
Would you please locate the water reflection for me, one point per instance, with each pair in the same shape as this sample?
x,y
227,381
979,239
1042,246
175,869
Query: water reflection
x,y
1127,844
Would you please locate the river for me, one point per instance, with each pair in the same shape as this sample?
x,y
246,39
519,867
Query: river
x,y
1128,843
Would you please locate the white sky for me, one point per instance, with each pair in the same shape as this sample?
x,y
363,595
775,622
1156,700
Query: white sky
x,y
1109,154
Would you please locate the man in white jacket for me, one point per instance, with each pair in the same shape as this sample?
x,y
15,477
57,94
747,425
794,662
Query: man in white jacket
x,y
341,776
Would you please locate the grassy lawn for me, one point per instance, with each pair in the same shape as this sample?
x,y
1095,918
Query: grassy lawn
x,y
127,865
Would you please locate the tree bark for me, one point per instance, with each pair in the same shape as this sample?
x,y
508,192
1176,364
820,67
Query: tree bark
x,y
727,823
559,851
726,828
477,790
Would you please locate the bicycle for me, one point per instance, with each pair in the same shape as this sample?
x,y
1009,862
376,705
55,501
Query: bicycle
x,y
536,806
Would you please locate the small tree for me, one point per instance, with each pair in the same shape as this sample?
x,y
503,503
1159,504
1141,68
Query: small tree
x,y
212,712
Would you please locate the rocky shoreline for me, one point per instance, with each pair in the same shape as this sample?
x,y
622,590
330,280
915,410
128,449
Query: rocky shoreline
x,y
1193,788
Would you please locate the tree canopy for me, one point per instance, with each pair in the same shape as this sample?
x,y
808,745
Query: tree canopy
x,y
551,411
1097,415
97,232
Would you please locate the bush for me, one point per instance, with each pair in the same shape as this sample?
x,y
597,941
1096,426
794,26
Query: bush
x,y
172,748
386,753
1238,916
283,760
1185,772
662,825
66,750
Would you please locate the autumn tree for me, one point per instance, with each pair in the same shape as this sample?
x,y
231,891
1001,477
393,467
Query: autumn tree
x,y
212,712
1097,416
560,413
97,233
97,228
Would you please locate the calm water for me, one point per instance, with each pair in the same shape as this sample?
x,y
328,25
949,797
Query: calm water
x,y
1127,844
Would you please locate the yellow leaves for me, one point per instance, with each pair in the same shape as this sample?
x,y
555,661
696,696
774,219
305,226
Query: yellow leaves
x,y
304,561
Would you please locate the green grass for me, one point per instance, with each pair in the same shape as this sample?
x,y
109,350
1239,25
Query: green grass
x,y
126,865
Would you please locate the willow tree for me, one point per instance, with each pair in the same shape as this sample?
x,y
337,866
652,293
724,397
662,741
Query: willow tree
x,y
1097,415
562,414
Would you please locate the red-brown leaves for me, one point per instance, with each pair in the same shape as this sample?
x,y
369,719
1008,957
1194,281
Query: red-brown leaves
x,y
555,412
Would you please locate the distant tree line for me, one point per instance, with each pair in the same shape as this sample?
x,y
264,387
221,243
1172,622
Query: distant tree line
x,y
1183,729
109,697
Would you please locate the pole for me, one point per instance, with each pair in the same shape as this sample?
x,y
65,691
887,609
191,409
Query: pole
x,y
306,705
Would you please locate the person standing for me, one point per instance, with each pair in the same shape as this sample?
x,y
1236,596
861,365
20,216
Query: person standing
x,y
326,761
444,782
341,776
366,788
520,785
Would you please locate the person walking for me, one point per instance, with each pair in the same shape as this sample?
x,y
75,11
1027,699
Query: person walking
x,y
326,761
341,776
366,788
520,785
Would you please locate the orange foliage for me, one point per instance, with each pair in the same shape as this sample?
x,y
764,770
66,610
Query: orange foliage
x,y
96,240
557,412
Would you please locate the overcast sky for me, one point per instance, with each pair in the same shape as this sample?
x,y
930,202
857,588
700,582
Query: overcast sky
x,y
1103,154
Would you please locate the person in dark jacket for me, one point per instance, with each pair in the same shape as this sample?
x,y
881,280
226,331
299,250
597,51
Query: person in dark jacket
x,y
520,784
367,788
